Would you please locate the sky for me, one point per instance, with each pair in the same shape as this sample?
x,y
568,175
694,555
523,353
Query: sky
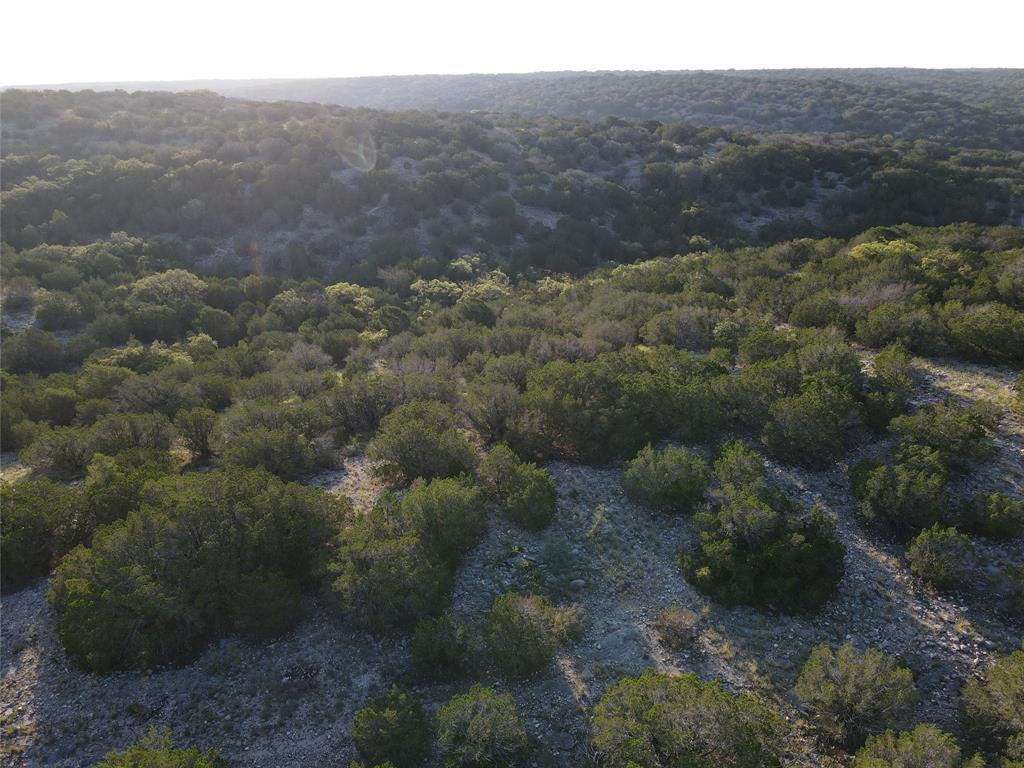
x,y
48,41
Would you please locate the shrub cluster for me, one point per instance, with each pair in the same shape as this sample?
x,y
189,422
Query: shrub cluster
x,y
442,649
392,728
669,479
420,439
395,565
677,627
855,694
941,556
522,633
994,514
517,637
906,496
41,520
816,426
955,432
204,555
924,746
525,491
616,403
757,547
481,728
1013,757
658,720
156,750
995,707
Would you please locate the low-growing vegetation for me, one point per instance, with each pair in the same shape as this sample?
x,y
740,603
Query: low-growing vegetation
x,y
907,495
940,556
205,555
677,627
522,633
758,547
392,729
156,750
924,746
419,439
671,479
481,728
524,491
658,719
395,565
855,694
995,706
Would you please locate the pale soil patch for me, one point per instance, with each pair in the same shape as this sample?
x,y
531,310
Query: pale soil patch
x,y
11,468
355,479
17,321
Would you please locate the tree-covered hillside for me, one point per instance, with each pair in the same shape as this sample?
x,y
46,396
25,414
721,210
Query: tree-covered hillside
x,y
421,439
975,108
304,189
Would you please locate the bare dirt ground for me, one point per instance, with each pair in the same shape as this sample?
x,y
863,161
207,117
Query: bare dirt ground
x,y
290,703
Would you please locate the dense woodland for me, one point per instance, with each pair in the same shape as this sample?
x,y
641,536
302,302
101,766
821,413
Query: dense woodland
x,y
973,108
558,194
206,302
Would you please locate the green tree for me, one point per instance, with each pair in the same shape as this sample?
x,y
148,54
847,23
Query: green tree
x,y
392,728
658,720
995,707
1014,755
41,521
114,486
196,427
62,451
419,439
441,649
118,432
220,325
525,491
184,567
522,633
893,374
855,694
994,514
814,428
907,496
176,288
481,729
990,332
395,566
924,747
156,750
756,547
285,451
672,479
33,351
940,556
385,579
958,434
447,514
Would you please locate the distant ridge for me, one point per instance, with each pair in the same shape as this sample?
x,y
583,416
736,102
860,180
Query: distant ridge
x,y
968,107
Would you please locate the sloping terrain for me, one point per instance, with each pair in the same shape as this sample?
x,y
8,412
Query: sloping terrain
x,y
290,703
977,108
233,184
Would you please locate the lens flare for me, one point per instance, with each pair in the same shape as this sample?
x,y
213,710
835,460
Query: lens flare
x,y
357,148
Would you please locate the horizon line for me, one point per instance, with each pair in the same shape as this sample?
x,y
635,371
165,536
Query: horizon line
x,y
84,84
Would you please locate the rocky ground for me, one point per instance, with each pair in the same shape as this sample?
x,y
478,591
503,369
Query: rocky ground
x,y
290,703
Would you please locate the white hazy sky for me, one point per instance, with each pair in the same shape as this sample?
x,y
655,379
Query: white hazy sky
x,y
60,41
